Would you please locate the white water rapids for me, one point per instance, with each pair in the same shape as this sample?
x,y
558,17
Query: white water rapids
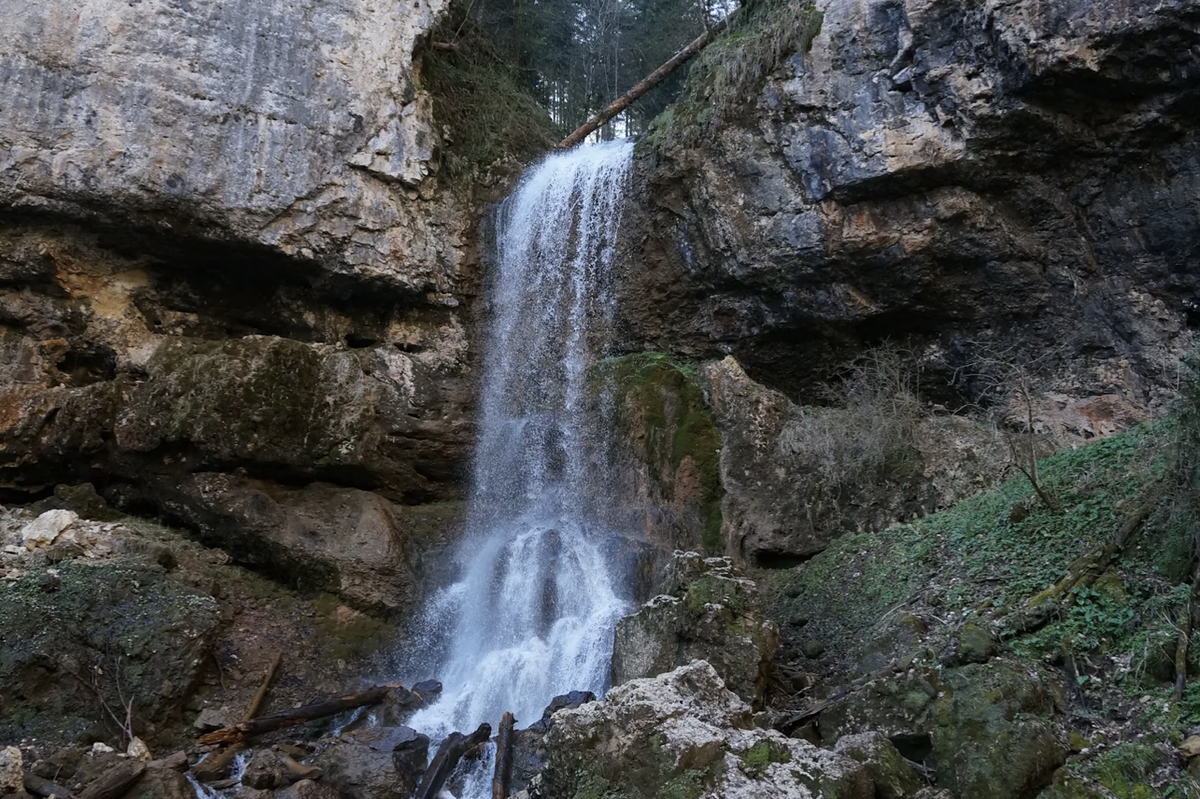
x,y
538,595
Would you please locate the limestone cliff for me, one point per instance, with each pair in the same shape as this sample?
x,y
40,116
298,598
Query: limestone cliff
x,y
228,270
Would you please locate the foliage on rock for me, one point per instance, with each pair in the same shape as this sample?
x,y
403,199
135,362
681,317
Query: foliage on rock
x,y
668,448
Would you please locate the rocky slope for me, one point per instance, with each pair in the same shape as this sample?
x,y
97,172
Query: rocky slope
x,y
233,290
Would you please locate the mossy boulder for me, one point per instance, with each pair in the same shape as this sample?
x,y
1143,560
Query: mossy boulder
x,y
707,611
1129,770
985,729
683,735
109,632
991,731
893,777
668,448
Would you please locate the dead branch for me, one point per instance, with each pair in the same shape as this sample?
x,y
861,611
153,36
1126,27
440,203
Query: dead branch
x,y
45,788
239,733
449,753
256,702
1084,570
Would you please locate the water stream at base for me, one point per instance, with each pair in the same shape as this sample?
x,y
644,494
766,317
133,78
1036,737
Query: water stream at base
x,y
532,612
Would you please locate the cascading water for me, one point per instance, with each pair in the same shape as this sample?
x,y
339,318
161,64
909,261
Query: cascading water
x,y
533,611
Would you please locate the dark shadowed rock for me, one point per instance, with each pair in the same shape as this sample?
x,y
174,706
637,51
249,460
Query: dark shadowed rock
x,y
568,701
1001,177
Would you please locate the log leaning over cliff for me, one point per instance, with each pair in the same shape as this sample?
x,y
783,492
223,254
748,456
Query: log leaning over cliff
x,y
502,778
649,82
449,753
239,733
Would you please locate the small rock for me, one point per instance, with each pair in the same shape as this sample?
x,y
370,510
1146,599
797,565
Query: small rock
x,y
12,776
266,770
99,749
49,582
568,701
138,750
307,789
42,531
211,719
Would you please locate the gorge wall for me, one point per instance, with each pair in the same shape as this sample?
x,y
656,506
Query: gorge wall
x,y
234,291
1016,172
1001,181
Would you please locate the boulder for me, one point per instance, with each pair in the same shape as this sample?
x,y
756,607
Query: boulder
x,y
42,531
796,477
161,784
126,621
685,734
374,762
12,774
266,770
984,729
708,611
308,789
568,701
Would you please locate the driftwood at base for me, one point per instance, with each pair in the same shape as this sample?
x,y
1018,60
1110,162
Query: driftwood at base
x,y
173,762
114,782
502,778
39,786
449,753
239,733
261,694
214,767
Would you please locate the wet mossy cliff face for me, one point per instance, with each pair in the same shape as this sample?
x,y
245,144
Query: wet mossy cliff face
x,y
234,291
964,178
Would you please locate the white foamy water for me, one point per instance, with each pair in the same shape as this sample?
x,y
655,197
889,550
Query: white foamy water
x,y
538,595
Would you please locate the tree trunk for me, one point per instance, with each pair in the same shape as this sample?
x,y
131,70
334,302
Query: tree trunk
x,y
649,82
502,779
42,787
449,753
114,782
239,733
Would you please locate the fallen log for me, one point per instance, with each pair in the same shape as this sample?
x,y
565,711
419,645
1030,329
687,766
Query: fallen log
x,y
39,786
240,733
214,766
502,777
449,753
114,782
174,762
646,84
1084,571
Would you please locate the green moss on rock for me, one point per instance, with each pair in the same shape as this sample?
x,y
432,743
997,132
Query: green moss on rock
x,y
661,414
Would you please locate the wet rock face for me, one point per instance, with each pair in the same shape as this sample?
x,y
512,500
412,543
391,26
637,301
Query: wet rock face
x,y
1004,175
705,611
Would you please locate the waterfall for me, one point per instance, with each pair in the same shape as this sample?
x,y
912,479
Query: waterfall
x,y
538,595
